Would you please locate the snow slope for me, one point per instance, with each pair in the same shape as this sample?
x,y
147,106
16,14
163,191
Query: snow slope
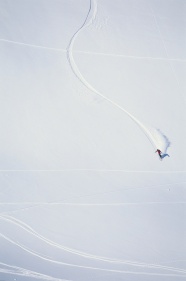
x,y
89,90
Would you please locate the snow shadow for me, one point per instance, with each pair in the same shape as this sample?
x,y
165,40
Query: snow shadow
x,y
161,141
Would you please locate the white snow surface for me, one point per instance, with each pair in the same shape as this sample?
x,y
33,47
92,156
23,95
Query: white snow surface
x,y
89,90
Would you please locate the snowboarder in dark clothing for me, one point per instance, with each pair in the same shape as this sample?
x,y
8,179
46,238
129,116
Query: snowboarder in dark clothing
x,y
159,152
161,155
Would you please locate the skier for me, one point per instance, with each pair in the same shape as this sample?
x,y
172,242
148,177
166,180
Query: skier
x,y
159,152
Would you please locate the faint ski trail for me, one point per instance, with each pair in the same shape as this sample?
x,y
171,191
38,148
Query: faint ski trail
x,y
14,270
128,56
31,231
40,204
31,205
89,52
37,204
95,170
32,45
91,16
18,271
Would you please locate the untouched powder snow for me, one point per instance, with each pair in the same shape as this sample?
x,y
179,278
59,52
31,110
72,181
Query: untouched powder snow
x,y
89,90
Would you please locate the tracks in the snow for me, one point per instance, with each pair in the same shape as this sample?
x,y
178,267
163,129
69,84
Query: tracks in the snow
x,y
170,271
88,21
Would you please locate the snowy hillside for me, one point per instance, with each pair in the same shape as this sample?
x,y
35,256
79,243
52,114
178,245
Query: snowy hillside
x,y
89,90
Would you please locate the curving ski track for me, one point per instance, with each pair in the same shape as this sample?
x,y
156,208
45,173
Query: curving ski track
x,y
91,15
19,271
32,232
13,270
38,255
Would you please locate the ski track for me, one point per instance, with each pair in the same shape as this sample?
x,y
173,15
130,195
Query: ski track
x,y
36,204
32,45
128,56
27,273
89,267
33,204
18,271
29,205
40,204
90,53
76,71
95,170
31,231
